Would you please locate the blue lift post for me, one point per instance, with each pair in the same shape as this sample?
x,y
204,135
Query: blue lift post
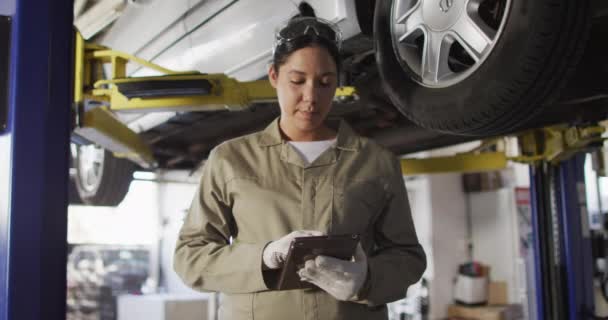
x,y
577,237
34,151
562,241
538,227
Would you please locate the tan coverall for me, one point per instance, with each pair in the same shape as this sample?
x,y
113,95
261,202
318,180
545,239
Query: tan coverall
x,y
256,189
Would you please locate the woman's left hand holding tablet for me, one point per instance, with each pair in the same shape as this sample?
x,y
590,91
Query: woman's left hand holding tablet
x,y
341,279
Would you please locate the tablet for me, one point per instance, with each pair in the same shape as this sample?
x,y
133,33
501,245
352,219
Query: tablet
x,y
306,248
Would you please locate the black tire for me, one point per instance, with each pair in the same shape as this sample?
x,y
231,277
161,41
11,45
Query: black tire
x,y
114,181
73,196
541,44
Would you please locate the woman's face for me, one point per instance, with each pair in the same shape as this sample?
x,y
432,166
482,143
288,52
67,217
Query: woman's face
x,y
305,84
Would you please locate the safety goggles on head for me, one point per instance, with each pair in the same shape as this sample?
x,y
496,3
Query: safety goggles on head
x,y
311,26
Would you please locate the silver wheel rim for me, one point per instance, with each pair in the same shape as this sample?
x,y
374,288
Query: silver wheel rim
x,y
89,167
443,42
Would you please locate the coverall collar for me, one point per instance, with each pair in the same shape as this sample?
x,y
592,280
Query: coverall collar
x,y
345,140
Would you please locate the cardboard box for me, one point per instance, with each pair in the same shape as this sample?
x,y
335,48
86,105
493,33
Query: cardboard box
x,y
163,307
497,293
476,313
507,312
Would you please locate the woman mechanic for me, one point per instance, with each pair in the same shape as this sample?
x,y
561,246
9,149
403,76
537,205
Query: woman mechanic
x,y
301,176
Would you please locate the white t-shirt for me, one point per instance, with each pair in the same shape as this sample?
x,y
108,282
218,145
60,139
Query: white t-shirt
x,y
311,150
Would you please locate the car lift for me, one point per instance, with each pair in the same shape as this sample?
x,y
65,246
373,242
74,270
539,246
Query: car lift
x,y
34,148
170,91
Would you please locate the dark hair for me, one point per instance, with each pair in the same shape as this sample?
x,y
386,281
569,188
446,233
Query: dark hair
x,y
284,49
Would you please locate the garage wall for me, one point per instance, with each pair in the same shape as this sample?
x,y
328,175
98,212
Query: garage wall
x,y
439,209
176,191
448,237
175,201
521,173
115,225
496,237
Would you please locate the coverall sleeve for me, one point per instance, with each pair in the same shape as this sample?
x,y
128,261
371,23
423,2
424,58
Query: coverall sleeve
x,y
205,258
397,259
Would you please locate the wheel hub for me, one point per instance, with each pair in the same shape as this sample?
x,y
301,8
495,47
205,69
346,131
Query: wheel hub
x,y
90,166
442,42
440,15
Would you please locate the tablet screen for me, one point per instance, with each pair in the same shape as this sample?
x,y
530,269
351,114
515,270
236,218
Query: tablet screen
x,y
306,248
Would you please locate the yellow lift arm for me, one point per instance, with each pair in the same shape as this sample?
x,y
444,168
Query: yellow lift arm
x,y
170,91
553,144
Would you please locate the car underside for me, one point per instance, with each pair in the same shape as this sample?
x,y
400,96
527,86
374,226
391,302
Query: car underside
x,y
185,140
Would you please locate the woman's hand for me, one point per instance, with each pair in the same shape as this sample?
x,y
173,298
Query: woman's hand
x,y
275,252
341,279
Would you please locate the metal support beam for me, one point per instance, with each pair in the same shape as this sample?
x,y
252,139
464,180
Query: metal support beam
x,y
542,237
562,244
100,126
34,161
577,237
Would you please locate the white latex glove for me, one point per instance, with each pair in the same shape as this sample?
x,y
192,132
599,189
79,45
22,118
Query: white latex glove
x,y
341,279
275,252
